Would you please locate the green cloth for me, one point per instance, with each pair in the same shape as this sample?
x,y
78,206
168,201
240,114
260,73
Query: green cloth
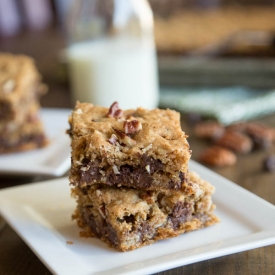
x,y
227,105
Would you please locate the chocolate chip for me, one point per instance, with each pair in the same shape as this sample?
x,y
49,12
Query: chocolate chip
x,y
182,176
114,111
89,171
180,214
269,163
154,164
145,230
100,229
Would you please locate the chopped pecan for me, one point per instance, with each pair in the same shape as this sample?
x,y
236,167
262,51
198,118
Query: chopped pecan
x,y
147,196
120,133
132,126
124,139
115,111
113,139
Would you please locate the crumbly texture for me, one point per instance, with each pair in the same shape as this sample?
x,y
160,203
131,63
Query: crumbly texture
x,y
139,148
128,218
20,90
20,86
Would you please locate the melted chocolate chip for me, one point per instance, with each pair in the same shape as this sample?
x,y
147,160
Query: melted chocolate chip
x,y
100,229
155,165
139,176
182,211
90,171
144,229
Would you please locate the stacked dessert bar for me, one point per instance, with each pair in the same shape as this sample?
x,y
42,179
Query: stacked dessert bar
x,y
130,176
20,90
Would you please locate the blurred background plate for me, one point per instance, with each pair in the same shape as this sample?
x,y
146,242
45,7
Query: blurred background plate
x,y
52,160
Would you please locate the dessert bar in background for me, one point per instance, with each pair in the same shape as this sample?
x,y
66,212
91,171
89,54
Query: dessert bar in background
x,y
130,176
234,30
20,91
139,148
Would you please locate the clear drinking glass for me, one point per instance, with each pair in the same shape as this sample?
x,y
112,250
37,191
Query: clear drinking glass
x,y
111,53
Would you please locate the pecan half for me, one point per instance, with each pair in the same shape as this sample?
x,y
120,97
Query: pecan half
x,y
218,156
235,141
209,129
261,135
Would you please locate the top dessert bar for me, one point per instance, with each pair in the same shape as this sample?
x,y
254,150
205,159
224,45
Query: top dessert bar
x,y
140,148
19,86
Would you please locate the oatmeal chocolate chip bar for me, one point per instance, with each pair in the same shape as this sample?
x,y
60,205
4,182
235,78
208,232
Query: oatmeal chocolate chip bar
x,y
20,86
140,148
128,218
20,90
27,136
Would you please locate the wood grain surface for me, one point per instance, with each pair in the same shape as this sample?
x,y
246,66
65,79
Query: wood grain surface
x,y
17,258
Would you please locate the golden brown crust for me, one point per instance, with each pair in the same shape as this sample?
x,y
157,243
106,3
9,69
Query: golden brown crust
x,y
125,220
104,140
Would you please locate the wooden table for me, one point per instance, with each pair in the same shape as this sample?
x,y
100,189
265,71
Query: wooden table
x,y
15,255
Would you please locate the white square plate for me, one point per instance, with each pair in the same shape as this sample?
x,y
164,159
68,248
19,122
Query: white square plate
x,y
41,214
54,159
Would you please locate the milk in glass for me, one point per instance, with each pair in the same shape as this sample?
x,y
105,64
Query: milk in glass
x,y
119,65
106,71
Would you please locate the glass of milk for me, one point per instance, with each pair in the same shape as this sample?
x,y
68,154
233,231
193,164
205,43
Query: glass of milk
x,y
111,53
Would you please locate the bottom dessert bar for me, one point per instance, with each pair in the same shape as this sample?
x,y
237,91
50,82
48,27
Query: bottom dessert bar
x,y
128,218
28,136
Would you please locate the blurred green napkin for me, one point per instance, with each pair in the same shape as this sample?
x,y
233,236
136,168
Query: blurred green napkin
x,y
227,105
